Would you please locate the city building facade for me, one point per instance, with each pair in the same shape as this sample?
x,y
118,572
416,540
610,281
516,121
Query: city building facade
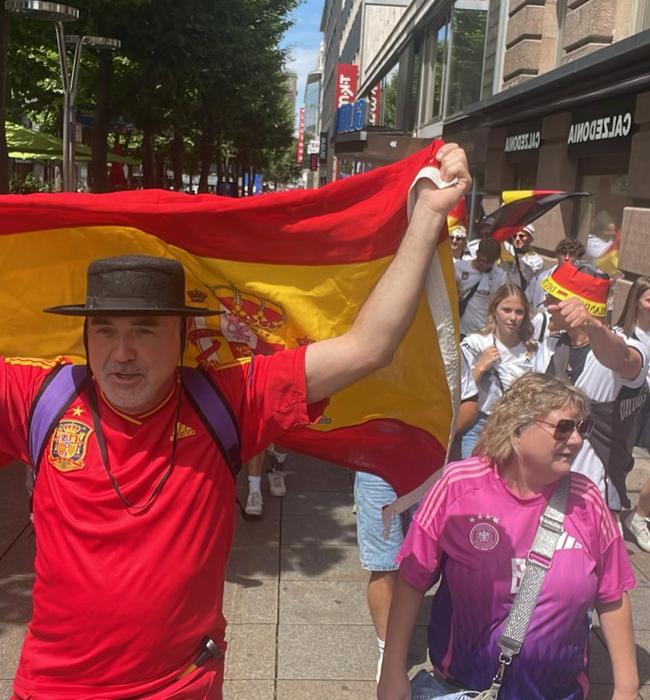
x,y
542,94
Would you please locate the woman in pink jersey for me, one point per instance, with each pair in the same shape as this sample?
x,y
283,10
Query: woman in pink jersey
x,y
472,534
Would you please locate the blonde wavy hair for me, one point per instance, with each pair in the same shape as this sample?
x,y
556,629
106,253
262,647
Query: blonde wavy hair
x,y
531,397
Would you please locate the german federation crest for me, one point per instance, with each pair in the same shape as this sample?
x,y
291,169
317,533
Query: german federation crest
x,y
69,445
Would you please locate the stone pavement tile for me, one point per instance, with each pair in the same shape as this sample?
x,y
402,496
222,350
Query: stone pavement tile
x,y
323,603
640,559
315,532
11,642
308,474
600,669
600,691
327,690
327,652
249,690
249,564
637,477
14,504
251,652
330,503
263,532
644,692
642,639
640,598
330,603
16,581
328,563
6,689
251,604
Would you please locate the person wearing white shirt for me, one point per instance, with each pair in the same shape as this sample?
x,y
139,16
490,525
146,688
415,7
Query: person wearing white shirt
x,y
477,280
604,232
568,249
610,368
635,323
498,355
521,263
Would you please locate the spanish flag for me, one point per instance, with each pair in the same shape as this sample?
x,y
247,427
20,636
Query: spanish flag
x,y
288,269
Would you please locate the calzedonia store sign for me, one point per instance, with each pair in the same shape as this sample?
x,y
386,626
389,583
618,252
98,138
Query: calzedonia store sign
x,y
606,127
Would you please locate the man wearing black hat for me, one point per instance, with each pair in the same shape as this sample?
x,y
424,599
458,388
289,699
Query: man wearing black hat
x,y
134,497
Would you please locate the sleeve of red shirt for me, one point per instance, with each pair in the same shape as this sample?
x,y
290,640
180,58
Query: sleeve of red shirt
x,y
19,384
267,396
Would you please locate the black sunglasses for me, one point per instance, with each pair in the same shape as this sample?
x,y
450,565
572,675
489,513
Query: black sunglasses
x,y
564,428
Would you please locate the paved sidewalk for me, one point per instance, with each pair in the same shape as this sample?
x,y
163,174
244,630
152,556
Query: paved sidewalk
x,y
295,595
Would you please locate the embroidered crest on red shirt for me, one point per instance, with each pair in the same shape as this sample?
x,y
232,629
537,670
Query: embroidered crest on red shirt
x,y
69,445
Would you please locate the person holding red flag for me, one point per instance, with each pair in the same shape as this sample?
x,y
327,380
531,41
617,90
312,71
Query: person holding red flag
x,y
134,501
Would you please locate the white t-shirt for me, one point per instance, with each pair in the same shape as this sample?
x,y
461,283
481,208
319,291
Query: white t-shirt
x,y
468,388
541,322
644,339
531,264
599,383
534,292
595,247
513,363
467,276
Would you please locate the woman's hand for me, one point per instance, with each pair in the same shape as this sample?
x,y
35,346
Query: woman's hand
x,y
488,358
393,686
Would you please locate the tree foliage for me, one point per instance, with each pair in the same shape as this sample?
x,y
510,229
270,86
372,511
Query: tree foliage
x,y
201,82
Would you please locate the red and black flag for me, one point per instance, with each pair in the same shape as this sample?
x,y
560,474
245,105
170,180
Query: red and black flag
x,y
521,207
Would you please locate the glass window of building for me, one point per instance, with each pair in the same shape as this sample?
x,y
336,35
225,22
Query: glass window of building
x,y
468,25
437,69
599,217
389,94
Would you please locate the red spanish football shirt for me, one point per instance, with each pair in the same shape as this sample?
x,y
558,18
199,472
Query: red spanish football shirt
x,y
121,601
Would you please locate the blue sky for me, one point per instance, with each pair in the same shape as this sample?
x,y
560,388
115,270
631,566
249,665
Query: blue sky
x,y
304,41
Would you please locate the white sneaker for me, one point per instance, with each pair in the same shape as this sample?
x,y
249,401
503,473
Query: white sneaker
x,y
254,504
380,661
277,485
638,528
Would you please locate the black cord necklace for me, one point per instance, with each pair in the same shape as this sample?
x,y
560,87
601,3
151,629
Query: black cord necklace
x,y
132,508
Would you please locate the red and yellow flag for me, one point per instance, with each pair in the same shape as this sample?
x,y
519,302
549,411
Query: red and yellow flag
x,y
288,268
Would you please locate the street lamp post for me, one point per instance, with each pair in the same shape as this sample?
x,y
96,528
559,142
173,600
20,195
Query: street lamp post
x,y
59,14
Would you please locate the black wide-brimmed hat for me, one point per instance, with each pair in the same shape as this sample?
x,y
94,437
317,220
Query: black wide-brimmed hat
x,y
134,285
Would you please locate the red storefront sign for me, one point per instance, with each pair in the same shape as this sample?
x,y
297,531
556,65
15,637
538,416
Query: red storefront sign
x,y
347,79
374,105
301,136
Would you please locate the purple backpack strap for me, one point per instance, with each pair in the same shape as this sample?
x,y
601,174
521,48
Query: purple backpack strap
x,y
52,401
212,407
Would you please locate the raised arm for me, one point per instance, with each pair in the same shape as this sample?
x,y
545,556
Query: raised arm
x,y
389,310
609,348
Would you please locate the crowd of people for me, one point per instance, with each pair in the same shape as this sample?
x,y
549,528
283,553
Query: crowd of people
x,y
522,536
560,397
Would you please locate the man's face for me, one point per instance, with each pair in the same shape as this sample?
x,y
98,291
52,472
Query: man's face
x,y
521,240
564,257
482,263
134,358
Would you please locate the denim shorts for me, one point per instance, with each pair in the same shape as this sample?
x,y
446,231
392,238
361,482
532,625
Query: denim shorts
x,y
370,495
425,686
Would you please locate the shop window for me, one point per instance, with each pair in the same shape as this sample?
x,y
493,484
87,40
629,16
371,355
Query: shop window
x,y
644,15
468,25
438,68
599,217
389,94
